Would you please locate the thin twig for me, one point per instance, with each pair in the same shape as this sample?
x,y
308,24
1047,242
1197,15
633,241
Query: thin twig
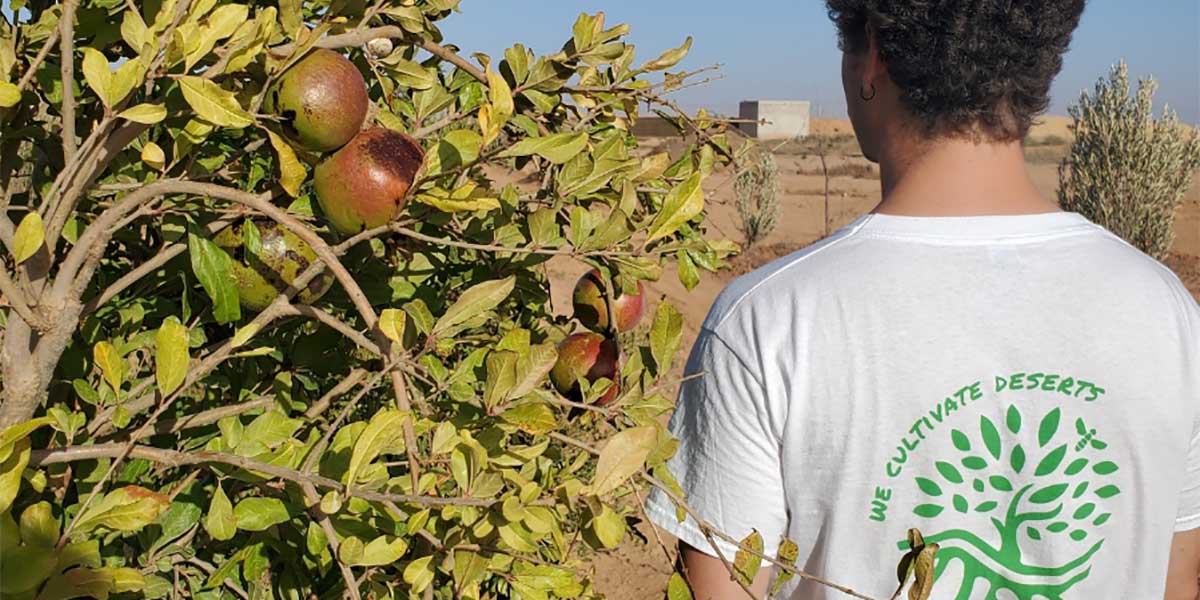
x,y
66,26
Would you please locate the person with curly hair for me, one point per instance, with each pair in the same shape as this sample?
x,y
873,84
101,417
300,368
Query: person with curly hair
x,y
1014,382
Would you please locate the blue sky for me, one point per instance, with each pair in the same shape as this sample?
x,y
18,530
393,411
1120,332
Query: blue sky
x,y
786,49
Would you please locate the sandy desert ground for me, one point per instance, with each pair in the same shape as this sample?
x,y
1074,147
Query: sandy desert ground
x,y
639,571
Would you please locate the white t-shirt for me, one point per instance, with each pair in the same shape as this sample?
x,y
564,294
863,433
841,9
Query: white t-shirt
x,y
1022,389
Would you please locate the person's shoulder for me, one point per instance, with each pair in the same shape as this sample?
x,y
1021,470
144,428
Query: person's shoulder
x,y
1132,270
794,273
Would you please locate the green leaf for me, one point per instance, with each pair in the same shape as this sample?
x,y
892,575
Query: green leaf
x,y
1105,468
670,58
746,564
419,573
1048,494
689,276
1051,461
1000,483
928,486
1013,419
1108,491
948,471
557,148
220,522
171,355
259,514
28,239
665,333
991,436
677,588
928,511
473,302
385,432
622,457
271,428
213,104
1017,459
1048,427
960,440
147,114
681,205
10,95
974,463
214,268
960,503
124,509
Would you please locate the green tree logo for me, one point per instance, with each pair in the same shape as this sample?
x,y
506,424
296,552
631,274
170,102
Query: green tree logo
x,y
1033,495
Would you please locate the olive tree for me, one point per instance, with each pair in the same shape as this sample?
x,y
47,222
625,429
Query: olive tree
x,y
166,432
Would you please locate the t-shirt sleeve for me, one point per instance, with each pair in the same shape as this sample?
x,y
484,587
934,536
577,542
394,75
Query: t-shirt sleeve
x,y
728,462
1187,517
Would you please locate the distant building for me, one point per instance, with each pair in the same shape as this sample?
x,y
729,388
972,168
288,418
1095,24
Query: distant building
x,y
775,119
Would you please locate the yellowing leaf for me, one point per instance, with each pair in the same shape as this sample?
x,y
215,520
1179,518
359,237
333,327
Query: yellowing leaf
x,y
385,432
124,509
220,522
681,205
788,553
13,434
98,76
391,322
500,95
665,333
213,104
677,588
10,95
450,205
383,550
291,171
111,364
10,472
152,155
148,114
923,573
670,58
133,29
746,564
171,355
534,418
609,527
623,456
243,335
30,235
419,573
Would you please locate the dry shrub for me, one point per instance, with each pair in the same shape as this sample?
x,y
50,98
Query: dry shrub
x,y
1127,170
757,190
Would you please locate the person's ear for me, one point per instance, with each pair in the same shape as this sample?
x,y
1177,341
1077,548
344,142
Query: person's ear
x,y
874,69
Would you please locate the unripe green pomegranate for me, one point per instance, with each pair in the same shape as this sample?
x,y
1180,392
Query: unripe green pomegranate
x,y
263,276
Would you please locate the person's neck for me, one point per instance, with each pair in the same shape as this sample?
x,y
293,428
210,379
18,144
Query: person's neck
x,y
954,177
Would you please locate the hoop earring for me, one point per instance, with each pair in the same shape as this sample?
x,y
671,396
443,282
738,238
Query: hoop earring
x,y
863,94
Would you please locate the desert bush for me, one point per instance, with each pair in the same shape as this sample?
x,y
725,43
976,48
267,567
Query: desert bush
x,y
1048,140
757,190
1128,170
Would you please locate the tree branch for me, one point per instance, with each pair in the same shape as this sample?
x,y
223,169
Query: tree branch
x,y
18,301
175,458
31,72
66,26
353,39
350,333
211,416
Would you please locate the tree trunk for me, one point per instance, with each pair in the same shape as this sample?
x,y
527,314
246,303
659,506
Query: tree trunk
x,y
28,361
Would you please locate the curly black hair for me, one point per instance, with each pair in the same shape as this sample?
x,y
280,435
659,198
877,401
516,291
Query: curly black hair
x,y
966,67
